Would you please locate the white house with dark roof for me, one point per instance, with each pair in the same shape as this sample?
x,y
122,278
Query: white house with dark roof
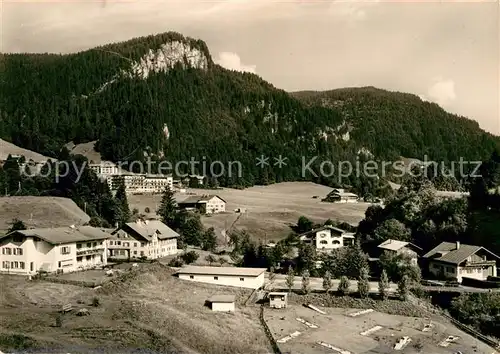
x,y
328,237
63,249
339,195
252,278
205,204
151,239
401,247
453,260
222,303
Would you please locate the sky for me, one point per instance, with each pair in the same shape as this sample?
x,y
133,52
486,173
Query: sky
x,y
446,52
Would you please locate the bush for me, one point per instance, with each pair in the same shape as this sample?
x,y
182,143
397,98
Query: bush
x,y
95,302
190,257
383,285
147,210
176,262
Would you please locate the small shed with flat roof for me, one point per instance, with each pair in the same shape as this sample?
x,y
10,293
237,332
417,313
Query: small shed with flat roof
x,y
278,300
222,303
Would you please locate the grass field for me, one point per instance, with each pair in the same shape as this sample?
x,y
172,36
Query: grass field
x,y
41,212
270,209
146,308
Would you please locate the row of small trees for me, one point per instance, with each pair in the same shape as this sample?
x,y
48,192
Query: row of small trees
x,y
345,284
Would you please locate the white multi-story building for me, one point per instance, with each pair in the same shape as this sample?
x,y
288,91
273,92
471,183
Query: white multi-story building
x,y
63,249
157,183
104,169
328,238
252,278
149,238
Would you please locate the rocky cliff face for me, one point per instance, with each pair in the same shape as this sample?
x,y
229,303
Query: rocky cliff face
x,y
166,57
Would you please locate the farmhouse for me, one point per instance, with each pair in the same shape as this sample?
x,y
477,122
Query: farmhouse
x,y
341,196
401,247
205,204
327,238
222,303
150,239
252,278
63,249
454,261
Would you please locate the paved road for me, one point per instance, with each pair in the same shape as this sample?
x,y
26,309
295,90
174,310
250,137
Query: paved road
x,y
317,284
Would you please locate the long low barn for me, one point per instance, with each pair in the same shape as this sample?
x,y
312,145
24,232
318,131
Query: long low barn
x,y
252,278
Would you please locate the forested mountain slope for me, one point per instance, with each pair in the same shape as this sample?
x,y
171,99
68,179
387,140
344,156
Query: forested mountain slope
x,y
164,95
396,124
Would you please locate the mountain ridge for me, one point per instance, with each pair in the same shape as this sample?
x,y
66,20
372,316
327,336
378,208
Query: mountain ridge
x,y
165,97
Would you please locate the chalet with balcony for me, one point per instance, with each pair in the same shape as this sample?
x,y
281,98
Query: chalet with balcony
x,y
327,238
452,260
149,239
63,249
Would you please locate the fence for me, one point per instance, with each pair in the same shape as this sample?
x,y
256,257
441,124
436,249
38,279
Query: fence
x,y
269,335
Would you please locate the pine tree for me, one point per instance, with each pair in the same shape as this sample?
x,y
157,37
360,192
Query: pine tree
x,y
306,283
121,199
168,209
383,285
290,279
363,283
327,281
344,285
404,287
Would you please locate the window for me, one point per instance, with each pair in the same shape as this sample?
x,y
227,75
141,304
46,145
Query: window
x,y
191,277
14,265
89,244
135,252
142,253
78,246
32,266
21,265
450,270
111,243
242,279
79,259
65,250
88,258
336,242
323,242
59,264
19,251
6,251
135,244
5,264
216,278
94,244
118,243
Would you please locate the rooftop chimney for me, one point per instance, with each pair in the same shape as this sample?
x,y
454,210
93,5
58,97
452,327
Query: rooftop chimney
x,y
458,245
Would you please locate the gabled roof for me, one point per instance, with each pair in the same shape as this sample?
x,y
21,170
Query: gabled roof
x,y
396,245
195,199
62,235
325,227
452,254
236,271
148,228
